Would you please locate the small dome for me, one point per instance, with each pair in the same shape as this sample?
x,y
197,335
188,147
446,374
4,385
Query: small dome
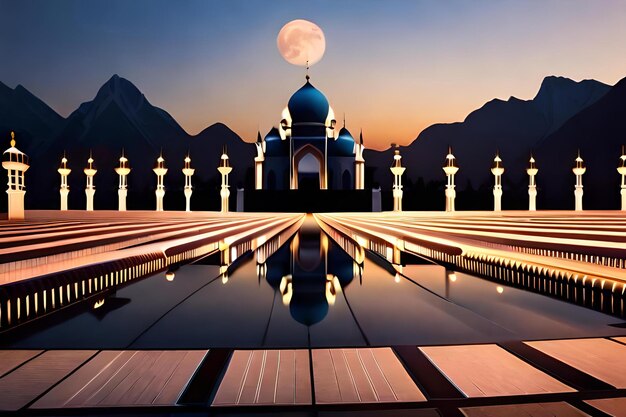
x,y
308,308
308,105
274,145
343,145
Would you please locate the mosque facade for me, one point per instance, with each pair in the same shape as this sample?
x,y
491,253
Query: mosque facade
x,y
307,151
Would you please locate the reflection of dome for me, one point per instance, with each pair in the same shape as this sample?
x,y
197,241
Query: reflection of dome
x,y
308,308
308,105
343,146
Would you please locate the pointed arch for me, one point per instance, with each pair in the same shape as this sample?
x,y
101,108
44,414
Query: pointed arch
x,y
309,149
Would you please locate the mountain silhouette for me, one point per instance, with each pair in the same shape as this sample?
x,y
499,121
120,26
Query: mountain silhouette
x,y
599,132
32,120
513,127
564,115
120,118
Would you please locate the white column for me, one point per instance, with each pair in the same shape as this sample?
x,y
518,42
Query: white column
x,y
450,169
160,172
64,190
258,163
16,164
188,172
90,190
397,170
578,170
622,171
359,165
122,171
497,170
532,186
224,169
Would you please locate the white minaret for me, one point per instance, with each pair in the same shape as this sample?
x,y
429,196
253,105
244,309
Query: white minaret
x,y
258,162
397,170
359,164
224,169
122,171
160,171
532,185
450,169
90,190
188,172
578,170
497,170
622,171
64,171
16,164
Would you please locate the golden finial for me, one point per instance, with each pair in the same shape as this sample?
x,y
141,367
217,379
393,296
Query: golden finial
x,y
13,139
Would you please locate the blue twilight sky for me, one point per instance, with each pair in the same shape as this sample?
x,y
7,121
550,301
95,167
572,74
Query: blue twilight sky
x,y
394,67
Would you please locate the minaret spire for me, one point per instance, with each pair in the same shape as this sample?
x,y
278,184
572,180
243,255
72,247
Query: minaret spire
x,y
450,169
16,164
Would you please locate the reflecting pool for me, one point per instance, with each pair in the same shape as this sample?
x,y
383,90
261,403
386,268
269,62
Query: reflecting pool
x,y
309,293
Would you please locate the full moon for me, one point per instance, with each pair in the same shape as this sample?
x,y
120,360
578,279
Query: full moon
x,y
300,41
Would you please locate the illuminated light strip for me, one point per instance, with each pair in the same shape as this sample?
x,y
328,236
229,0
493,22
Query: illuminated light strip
x,y
585,268
394,240
522,238
123,253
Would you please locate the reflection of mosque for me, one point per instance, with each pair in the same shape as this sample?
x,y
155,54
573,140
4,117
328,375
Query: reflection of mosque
x,y
310,274
306,152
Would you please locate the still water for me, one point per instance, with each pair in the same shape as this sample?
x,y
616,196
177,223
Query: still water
x,y
310,293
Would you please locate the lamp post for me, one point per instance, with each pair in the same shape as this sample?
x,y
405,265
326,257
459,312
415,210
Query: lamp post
x,y
450,168
397,170
160,171
532,186
622,171
122,171
64,171
188,172
16,164
578,170
90,189
497,170
224,169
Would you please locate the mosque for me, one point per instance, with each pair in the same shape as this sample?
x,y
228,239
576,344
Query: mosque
x,y
306,152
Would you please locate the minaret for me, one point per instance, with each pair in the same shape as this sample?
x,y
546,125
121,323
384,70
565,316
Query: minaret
x,y
16,164
397,170
224,169
122,171
532,186
578,170
160,171
622,171
90,190
450,169
188,172
359,164
258,162
497,170
65,189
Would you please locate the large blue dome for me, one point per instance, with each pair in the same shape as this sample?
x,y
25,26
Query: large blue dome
x,y
308,105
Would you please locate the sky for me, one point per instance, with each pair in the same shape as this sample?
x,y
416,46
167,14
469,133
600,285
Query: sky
x,y
392,67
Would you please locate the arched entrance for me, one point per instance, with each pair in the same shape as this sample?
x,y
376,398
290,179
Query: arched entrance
x,y
308,166
346,181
